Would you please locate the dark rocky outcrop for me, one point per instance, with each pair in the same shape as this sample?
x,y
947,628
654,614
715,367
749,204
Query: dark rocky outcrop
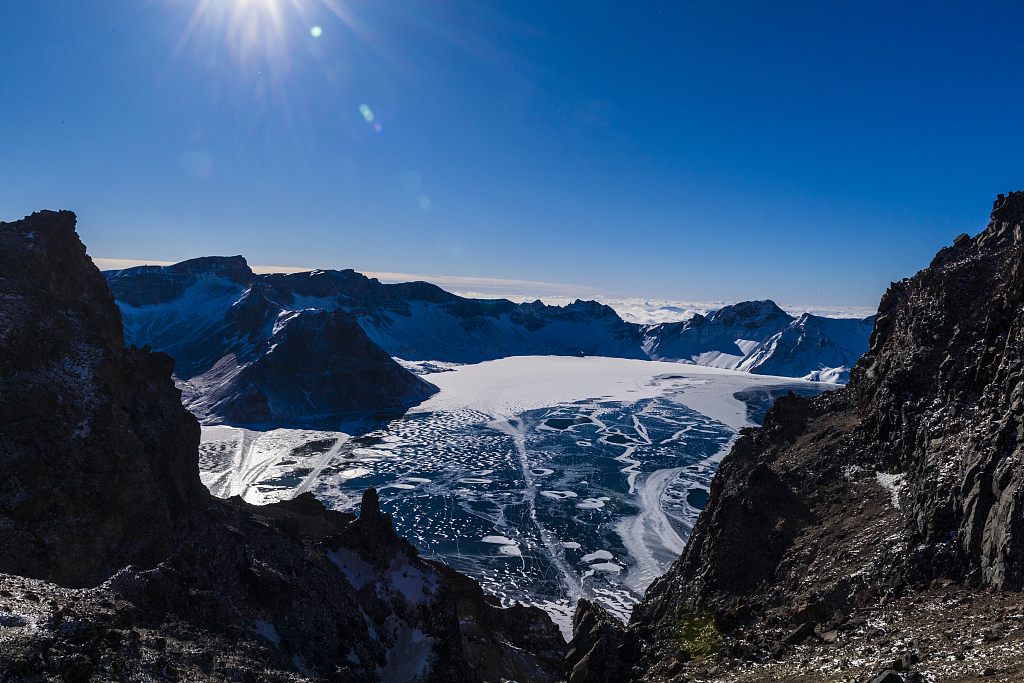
x,y
600,650
100,485
283,592
92,434
928,429
909,478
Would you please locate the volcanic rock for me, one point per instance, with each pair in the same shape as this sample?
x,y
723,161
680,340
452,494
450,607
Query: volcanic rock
x,y
97,455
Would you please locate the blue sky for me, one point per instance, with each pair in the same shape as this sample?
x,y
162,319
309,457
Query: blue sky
x,y
804,152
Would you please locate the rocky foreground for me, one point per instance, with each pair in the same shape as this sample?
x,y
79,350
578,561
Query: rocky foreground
x,y
285,592
117,564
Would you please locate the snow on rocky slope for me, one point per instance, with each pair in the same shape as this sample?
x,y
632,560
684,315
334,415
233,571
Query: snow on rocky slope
x,y
759,337
242,356
224,324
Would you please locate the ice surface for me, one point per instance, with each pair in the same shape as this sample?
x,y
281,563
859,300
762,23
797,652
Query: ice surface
x,y
477,478
598,555
510,386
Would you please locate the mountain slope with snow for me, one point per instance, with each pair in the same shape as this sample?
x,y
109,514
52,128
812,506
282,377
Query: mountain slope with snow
x,y
271,347
241,357
759,337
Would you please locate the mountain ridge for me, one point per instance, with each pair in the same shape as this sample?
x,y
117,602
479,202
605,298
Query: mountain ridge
x,y
244,357
217,318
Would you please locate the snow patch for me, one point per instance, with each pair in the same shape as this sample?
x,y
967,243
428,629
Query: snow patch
x,y
500,540
849,471
358,572
558,495
891,483
267,630
411,583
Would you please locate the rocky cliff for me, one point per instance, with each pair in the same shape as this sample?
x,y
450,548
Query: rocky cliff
x,y
91,432
931,420
904,483
118,565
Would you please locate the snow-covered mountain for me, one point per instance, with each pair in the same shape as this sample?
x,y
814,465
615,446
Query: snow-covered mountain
x,y
420,321
261,347
242,357
759,337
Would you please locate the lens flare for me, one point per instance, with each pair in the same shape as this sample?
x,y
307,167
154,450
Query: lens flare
x,y
365,111
316,31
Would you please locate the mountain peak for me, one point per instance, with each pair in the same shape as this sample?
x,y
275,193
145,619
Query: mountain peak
x,y
149,285
1007,213
234,268
749,314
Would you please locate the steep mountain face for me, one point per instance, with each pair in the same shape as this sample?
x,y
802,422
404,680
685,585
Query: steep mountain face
x,y
318,363
470,331
99,487
759,337
909,477
246,355
92,434
419,321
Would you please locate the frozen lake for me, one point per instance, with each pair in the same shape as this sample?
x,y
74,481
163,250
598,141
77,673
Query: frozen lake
x,y
545,478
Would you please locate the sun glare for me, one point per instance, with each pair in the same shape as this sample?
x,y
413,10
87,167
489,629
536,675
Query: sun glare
x,y
255,31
